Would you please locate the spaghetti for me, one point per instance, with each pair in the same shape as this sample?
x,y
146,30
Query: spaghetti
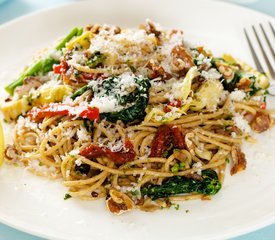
x,y
134,116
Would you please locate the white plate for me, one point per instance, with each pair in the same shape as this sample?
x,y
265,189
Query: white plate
x,y
36,205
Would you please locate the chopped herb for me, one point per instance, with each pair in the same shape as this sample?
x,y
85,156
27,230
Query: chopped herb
x,y
265,94
166,154
96,59
29,99
228,117
252,86
135,192
83,169
226,128
168,151
133,69
181,166
176,206
227,160
175,168
89,125
67,196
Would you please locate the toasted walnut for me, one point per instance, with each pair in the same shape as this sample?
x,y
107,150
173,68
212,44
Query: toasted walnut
x,y
227,72
189,143
151,28
119,202
150,206
157,71
239,161
261,122
244,84
182,61
11,153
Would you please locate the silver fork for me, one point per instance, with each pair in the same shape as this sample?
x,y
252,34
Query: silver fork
x,y
258,64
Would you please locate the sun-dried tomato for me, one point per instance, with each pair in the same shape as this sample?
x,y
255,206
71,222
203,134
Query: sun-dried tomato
x,y
126,154
165,136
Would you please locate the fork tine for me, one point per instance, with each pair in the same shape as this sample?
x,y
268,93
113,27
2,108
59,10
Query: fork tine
x,y
268,42
272,29
254,55
270,69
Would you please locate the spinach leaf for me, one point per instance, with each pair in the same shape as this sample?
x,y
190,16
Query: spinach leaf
x,y
209,185
134,103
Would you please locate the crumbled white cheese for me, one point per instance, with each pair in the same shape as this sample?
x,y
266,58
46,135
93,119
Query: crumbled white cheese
x,y
115,146
105,103
78,162
48,85
68,173
127,47
25,123
77,58
233,134
37,166
124,84
241,123
198,166
74,152
223,97
237,95
69,133
82,134
173,113
259,98
211,74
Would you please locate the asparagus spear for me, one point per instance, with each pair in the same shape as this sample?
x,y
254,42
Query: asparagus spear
x,y
43,65
79,92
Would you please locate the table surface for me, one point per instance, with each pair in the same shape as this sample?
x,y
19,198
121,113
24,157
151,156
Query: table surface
x,y
14,8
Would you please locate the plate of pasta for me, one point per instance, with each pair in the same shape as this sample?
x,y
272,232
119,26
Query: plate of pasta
x,y
127,121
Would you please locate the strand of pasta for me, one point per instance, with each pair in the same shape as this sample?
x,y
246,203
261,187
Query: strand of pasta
x,y
210,140
220,137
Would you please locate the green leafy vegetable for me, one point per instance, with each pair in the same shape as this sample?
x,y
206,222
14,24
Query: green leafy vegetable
x,y
209,185
134,103
96,59
83,168
42,66
231,85
252,86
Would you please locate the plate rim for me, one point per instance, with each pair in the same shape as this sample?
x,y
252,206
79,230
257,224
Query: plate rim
x,y
16,225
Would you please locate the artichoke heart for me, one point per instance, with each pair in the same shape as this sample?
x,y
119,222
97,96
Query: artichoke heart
x,y
11,110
